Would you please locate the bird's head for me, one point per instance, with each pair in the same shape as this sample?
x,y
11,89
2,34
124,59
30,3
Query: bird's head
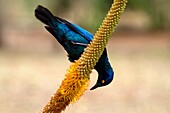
x,y
104,79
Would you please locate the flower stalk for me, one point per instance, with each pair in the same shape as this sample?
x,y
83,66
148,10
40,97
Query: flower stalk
x,y
78,75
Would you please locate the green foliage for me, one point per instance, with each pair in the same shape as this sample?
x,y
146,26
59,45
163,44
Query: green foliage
x,y
100,10
61,6
94,11
151,7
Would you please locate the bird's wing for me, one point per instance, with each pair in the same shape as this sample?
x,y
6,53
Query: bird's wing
x,y
84,33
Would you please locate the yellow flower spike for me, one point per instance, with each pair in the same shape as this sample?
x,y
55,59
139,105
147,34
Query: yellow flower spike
x,y
78,75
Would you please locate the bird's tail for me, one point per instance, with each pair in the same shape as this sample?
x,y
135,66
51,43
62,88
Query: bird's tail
x,y
44,15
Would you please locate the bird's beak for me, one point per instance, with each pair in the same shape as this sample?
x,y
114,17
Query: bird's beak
x,y
94,87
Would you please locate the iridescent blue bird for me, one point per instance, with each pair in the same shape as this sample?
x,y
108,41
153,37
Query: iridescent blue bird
x,y
75,39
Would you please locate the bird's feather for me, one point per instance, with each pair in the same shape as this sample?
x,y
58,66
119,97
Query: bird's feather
x,y
84,33
74,39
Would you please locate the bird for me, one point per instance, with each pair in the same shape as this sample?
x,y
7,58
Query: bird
x,y
74,40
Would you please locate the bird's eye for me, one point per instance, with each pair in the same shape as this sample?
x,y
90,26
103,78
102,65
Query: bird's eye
x,y
102,81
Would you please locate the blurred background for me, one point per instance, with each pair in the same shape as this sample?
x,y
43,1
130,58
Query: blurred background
x,y
33,64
